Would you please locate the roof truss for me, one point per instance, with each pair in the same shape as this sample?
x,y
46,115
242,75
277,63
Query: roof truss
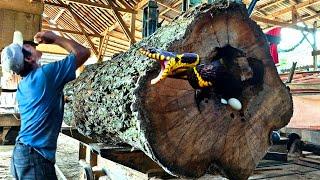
x,y
111,26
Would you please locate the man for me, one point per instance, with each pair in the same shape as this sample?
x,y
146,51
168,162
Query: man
x,y
40,100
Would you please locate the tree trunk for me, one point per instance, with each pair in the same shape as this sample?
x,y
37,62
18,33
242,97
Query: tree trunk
x,y
114,102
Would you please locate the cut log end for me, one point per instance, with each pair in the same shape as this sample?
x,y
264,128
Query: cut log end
x,y
116,101
187,141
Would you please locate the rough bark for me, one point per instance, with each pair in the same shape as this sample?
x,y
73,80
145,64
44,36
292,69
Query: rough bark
x,y
114,102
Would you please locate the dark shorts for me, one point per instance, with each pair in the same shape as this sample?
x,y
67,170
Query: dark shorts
x,y
27,163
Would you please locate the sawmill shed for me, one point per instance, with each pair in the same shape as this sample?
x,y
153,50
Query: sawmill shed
x,y
260,121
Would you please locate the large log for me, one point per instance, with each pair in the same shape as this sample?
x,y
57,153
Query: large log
x,y
114,102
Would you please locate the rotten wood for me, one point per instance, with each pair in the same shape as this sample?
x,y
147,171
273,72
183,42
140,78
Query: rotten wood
x,y
114,102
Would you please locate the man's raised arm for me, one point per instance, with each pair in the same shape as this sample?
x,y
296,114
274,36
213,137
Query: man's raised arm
x,y
48,37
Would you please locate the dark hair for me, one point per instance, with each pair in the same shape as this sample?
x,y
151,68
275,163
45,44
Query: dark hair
x,y
26,54
27,67
30,43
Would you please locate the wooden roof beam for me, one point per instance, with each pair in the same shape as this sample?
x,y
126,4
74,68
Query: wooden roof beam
x,y
76,18
119,34
123,25
119,41
126,5
74,14
60,13
141,4
114,47
56,27
137,7
103,47
112,52
173,6
311,17
46,18
117,44
84,22
102,6
79,18
67,31
297,6
268,5
170,8
111,47
55,4
66,14
93,19
279,23
309,10
95,51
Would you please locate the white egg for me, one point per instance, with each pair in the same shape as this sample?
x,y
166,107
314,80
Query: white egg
x,y
223,101
235,104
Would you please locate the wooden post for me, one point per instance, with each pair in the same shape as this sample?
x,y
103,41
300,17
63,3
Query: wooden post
x,y
22,6
93,158
133,27
82,151
4,134
103,46
314,47
294,15
293,68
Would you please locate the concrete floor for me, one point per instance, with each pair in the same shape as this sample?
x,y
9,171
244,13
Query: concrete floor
x,y
67,158
5,157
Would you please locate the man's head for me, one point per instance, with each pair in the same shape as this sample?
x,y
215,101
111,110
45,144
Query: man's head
x,y
20,59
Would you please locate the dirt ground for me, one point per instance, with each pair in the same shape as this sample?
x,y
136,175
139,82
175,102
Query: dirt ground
x,y
67,159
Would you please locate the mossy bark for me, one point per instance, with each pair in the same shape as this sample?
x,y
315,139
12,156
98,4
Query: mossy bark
x,y
114,102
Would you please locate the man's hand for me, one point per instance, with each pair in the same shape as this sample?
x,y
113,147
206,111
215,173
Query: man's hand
x,y
48,37
45,37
